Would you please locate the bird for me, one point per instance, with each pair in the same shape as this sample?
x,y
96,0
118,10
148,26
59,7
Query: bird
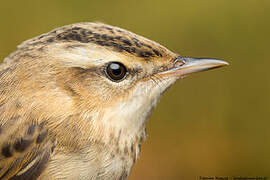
x,y
74,101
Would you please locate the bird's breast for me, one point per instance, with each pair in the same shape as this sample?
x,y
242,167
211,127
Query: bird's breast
x,y
95,162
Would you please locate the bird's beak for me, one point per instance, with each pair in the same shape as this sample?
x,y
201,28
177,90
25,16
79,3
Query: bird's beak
x,y
185,65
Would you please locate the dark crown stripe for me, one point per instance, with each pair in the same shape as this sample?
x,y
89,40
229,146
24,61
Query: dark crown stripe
x,y
117,39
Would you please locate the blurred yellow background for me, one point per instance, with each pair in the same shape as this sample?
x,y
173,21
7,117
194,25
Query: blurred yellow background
x,y
214,123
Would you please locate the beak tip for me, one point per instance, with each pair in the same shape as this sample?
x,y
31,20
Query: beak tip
x,y
221,63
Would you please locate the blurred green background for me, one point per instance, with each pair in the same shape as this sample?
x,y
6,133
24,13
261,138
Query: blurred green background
x,y
214,123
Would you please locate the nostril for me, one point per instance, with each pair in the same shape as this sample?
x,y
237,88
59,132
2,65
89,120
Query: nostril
x,y
180,61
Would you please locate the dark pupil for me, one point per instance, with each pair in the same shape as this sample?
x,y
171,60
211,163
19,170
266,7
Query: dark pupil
x,y
115,69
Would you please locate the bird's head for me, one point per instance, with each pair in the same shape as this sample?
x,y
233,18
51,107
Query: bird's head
x,y
106,79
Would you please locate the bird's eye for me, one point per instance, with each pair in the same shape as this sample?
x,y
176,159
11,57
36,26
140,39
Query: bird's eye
x,y
116,71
